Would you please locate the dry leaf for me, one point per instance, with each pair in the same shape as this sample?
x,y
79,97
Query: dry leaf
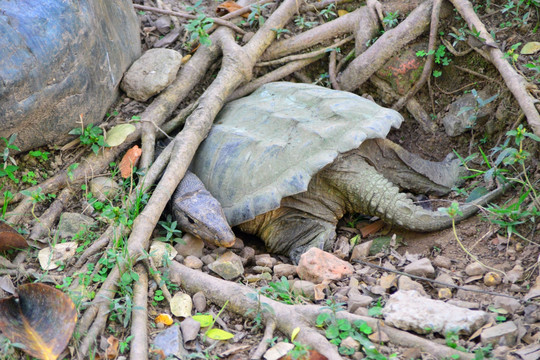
x,y
371,228
530,48
51,258
112,349
42,319
129,161
342,12
164,319
118,134
10,238
229,7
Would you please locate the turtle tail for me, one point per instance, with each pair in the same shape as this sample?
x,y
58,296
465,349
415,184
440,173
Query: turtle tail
x,y
368,192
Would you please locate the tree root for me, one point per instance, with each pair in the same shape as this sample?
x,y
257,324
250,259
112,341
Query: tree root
x,y
43,226
515,82
139,319
289,317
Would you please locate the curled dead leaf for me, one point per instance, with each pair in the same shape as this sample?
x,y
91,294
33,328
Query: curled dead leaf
x,y
164,319
41,318
10,238
229,7
129,160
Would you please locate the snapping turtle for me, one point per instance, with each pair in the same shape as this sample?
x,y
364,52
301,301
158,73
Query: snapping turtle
x,y
287,162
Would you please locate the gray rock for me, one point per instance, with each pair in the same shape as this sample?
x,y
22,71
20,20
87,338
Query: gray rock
x,y
457,121
170,342
508,304
163,24
71,223
261,269
60,59
444,278
238,244
350,343
515,274
192,246
265,260
408,310
208,259
167,39
247,254
190,329
284,270
304,288
357,300
199,301
475,268
442,261
258,277
193,262
361,251
104,188
421,267
151,73
405,283
501,334
228,266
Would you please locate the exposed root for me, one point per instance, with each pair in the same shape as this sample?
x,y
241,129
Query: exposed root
x,y
264,343
515,82
139,318
43,226
288,317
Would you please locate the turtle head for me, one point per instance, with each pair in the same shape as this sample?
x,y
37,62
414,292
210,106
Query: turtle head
x,y
199,213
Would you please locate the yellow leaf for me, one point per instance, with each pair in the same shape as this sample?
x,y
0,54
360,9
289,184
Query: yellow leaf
x,y
294,333
204,320
342,12
118,134
530,48
218,334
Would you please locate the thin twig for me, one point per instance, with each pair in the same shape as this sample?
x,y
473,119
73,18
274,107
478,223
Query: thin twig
x,y
184,15
332,70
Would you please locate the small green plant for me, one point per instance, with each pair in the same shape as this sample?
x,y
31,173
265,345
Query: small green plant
x,y
300,351
255,16
535,66
158,296
336,330
7,349
512,53
172,235
259,310
90,136
440,58
37,197
391,20
328,12
279,32
29,178
452,339
198,29
302,24
376,310
8,196
123,346
10,165
70,170
281,291
40,155
475,110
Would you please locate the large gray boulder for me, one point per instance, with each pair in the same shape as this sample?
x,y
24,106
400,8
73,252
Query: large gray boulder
x,y
59,59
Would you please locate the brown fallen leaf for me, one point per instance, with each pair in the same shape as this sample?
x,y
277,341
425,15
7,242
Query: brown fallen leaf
x,y
312,355
42,319
229,7
129,160
371,228
10,238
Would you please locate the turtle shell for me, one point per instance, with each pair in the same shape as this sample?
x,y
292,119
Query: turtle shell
x,y
268,145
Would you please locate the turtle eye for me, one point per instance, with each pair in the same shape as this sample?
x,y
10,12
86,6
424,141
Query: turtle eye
x,y
191,221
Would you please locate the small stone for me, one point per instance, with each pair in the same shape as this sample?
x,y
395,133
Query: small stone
x,y
261,269
342,247
379,337
444,293
168,40
159,251
247,254
508,304
151,73
170,342
501,334
515,274
238,244
72,223
277,351
492,279
163,24
284,270
406,283
208,259
443,262
199,301
258,277
361,251
104,188
421,267
412,353
387,281
304,288
193,262
181,305
361,311
474,269
192,246
350,343
265,260
317,265
445,279
228,266
356,300
501,352
190,329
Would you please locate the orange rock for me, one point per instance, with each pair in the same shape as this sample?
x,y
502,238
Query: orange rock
x,y
317,266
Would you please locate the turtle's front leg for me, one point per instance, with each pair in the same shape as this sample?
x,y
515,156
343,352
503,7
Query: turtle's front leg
x,y
291,232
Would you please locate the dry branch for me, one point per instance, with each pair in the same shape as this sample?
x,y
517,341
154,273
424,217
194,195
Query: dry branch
x,y
515,82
